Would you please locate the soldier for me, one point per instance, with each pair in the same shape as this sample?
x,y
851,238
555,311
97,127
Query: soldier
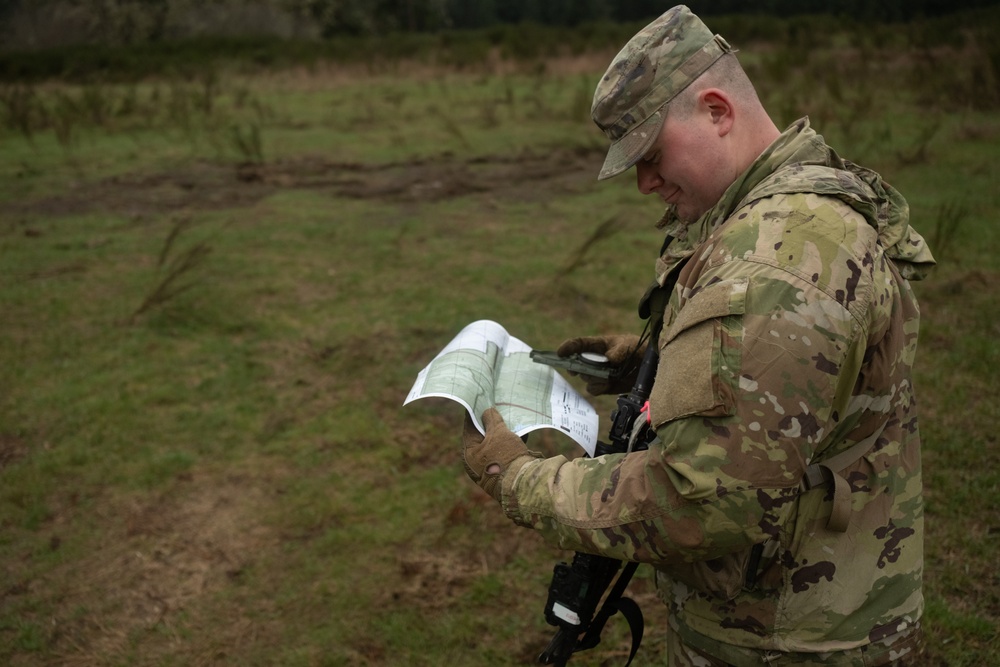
x,y
780,503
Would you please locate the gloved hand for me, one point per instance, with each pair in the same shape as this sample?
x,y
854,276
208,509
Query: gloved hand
x,y
488,459
623,353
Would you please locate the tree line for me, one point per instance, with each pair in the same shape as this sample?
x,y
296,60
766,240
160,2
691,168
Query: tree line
x,y
34,24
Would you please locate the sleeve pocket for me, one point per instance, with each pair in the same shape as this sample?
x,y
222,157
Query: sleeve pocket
x,y
700,356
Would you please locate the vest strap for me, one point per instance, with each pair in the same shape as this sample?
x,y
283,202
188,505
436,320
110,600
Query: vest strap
x,y
828,471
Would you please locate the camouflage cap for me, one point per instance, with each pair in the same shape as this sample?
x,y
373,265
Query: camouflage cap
x,y
655,65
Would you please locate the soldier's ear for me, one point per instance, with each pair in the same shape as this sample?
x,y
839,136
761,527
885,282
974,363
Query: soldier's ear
x,y
717,103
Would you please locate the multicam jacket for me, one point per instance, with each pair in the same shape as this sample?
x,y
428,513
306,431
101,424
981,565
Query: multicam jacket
x,y
790,336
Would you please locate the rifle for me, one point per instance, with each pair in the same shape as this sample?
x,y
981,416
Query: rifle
x,y
576,589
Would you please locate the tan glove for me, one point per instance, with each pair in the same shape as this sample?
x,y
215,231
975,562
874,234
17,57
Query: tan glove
x,y
623,353
489,459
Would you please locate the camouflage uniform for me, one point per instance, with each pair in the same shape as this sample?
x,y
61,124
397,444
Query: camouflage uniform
x,y
790,336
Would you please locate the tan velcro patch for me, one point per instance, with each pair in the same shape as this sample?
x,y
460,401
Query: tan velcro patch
x,y
688,378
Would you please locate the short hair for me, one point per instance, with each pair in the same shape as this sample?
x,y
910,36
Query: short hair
x,y
726,74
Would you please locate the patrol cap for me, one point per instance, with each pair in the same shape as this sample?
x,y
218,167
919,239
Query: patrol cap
x,y
657,64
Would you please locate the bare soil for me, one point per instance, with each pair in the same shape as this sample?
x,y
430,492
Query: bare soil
x,y
217,185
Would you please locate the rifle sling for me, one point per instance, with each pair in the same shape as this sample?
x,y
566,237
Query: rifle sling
x,y
613,603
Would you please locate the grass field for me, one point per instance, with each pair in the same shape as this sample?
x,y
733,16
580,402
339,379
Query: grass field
x,y
217,291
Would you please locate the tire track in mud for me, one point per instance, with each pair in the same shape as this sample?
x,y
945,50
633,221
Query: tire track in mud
x,y
218,185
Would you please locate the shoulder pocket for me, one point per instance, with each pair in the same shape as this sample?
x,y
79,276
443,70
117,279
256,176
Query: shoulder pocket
x,y
700,355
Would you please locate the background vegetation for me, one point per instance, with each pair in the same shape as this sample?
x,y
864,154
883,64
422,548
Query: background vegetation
x,y
222,264
58,22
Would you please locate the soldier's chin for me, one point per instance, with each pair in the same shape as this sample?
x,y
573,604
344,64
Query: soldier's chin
x,y
685,215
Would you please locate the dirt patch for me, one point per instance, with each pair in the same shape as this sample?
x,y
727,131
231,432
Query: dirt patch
x,y
12,448
166,553
214,185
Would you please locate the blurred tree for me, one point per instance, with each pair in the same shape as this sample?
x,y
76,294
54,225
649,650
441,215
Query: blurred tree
x,y
555,12
8,6
635,10
127,21
464,14
46,23
571,13
364,17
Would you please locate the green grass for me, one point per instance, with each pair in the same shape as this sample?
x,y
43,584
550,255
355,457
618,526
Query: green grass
x,y
228,476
